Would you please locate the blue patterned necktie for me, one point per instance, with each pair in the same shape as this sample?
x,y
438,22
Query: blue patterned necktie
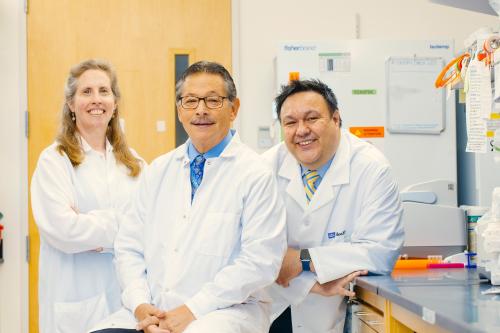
x,y
310,187
196,173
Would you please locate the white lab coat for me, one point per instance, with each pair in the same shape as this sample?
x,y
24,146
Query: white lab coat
x,y
77,285
219,251
353,222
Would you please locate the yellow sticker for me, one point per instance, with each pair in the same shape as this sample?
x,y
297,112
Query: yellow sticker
x,y
461,96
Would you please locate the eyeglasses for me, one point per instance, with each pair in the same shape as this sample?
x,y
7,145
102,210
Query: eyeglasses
x,y
211,102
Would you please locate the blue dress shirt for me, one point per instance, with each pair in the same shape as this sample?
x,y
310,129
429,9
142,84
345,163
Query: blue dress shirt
x,y
321,172
214,152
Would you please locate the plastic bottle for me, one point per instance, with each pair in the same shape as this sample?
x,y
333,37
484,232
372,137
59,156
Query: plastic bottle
x,y
488,228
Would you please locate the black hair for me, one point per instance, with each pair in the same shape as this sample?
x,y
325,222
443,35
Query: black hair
x,y
314,85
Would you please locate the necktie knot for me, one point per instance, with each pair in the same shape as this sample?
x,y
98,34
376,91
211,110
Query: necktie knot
x,y
310,187
199,160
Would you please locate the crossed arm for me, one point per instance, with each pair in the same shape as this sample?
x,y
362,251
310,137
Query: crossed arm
x,y
374,245
291,268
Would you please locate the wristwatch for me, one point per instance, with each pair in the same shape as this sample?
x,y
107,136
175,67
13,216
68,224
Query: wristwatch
x,y
305,259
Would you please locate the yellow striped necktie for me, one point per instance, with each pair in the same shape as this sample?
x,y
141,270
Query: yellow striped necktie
x,y
311,177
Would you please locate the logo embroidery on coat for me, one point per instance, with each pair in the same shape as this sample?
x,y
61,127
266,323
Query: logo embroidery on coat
x,y
333,234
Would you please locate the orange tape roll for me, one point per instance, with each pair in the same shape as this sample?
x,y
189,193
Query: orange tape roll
x,y
414,263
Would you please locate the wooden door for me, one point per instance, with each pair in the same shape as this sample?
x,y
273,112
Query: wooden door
x,y
140,38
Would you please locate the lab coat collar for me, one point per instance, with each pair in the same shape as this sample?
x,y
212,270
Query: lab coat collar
x,y
87,148
336,175
290,169
232,149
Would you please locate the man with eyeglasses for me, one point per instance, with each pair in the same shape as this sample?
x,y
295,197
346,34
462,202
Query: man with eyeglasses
x,y
206,231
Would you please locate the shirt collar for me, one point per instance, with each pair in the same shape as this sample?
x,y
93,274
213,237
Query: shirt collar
x,y
215,151
86,147
321,171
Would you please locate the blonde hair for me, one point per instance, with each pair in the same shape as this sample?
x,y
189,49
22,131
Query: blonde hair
x,y
69,143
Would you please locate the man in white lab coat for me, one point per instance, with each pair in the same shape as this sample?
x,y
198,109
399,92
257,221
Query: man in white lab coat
x,y
343,210
207,233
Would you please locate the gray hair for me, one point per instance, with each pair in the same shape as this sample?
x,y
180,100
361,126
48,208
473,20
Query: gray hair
x,y
210,68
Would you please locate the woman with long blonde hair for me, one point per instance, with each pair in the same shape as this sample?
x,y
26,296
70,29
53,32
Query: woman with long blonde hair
x,y
79,190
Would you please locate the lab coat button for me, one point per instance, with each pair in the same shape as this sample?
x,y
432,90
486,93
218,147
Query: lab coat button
x,y
307,223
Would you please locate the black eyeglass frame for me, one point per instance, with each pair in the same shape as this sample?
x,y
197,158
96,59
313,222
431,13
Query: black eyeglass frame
x,y
180,101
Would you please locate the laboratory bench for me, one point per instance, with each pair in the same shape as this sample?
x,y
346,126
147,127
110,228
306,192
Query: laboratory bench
x,y
433,300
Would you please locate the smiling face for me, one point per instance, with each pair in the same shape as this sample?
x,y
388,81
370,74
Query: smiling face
x,y
312,134
206,127
93,103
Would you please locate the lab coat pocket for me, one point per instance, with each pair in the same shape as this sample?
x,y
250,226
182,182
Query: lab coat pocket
x,y
219,234
80,316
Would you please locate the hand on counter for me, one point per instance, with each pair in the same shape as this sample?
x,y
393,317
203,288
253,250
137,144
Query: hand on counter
x,y
338,286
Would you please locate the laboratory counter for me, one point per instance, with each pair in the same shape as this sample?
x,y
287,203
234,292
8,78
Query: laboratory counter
x,y
434,300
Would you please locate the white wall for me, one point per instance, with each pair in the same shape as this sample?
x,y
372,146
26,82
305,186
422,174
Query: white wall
x,y
262,24
13,165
